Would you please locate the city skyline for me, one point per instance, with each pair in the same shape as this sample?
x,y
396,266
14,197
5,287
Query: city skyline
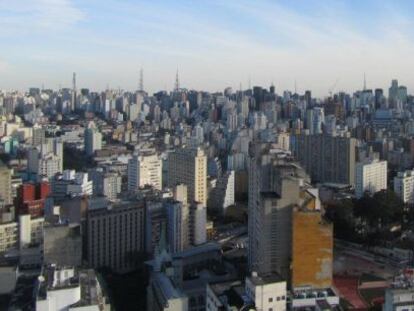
x,y
213,45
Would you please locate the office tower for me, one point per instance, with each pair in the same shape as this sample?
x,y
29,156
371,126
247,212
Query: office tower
x,y
393,91
39,135
404,186
106,184
115,234
46,160
327,158
315,118
198,222
312,247
73,102
166,222
145,169
176,239
5,184
93,139
180,195
189,166
379,98
273,192
370,176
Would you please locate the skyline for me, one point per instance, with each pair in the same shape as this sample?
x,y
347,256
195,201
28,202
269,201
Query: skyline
x,y
213,45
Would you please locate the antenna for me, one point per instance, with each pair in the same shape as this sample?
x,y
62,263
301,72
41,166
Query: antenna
x,y
250,83
295,87
74,82
141,80
177,82
365,82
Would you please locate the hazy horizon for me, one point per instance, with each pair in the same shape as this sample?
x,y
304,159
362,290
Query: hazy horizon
x,y
214,44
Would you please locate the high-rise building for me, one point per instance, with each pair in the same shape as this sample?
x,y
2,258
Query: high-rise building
x,y
273,192
312,249
189,166
145,169
5,184
370,176
115,236
198,224
46,160
93,139
327,158
404,186
31,198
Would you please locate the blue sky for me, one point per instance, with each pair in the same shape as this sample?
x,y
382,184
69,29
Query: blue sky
x,y
213,43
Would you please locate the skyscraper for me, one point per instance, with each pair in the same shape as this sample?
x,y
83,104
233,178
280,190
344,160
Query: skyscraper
x,y
273,192
145,169
189,166
327,158
93,139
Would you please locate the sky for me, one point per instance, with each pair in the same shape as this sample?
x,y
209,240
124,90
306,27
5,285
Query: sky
x,y
213,44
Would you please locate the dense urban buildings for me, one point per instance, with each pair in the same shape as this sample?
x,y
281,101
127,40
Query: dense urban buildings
x,y
248,199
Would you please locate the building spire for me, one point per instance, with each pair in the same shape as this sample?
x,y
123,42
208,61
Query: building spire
x,y
365,82
177,82
141,80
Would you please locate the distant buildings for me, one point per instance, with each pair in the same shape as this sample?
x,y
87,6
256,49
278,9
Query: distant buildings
x,y
370,176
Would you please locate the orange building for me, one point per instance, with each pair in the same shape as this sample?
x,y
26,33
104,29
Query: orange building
x,y
312,249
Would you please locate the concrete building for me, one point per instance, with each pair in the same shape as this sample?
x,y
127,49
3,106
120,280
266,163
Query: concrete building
x,y
145,169
93,139
46,160
189,166
267,292
108,184
222,196
115,235
20,234
312,250
62,245
404,186
400,295
274,189
5,184
64,288
370,176
198,224
72,184
327,158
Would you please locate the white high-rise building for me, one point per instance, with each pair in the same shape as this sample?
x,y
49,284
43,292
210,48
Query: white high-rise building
x,y
370,176
145,169
404,186
93,139
189,166
46,159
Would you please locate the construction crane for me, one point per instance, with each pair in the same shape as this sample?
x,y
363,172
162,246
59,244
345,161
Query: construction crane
x,y
333,87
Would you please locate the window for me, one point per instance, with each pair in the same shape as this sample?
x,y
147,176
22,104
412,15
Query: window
x,y
270,299
270,309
